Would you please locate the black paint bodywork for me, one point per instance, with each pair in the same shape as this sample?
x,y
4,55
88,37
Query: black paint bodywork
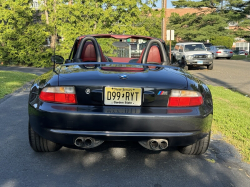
x,y
62,123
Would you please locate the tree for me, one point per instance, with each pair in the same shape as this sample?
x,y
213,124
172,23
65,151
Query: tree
x,y
100,16
21,39
210,22
222,40
23,30
201,27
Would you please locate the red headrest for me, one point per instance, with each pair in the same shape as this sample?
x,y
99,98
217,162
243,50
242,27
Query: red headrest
x,y
153,55
88,53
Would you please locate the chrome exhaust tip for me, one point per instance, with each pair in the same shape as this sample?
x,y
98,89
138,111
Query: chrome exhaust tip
x,y
155,144
163,144
87,142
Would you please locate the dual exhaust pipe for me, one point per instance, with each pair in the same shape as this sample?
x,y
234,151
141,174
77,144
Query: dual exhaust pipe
x,y
155,144
152,144
87,142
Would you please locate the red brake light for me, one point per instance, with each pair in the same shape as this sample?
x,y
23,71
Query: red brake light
x,y
59,95
231,52
182,98
218,52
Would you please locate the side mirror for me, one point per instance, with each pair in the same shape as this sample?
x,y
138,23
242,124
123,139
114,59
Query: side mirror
x,y
180,50
57,59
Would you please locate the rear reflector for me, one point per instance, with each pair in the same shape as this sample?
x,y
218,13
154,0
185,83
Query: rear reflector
x,y
183,98
58,95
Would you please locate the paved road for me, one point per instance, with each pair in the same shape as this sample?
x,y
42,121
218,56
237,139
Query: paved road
x,y
111,164
37,71
228,73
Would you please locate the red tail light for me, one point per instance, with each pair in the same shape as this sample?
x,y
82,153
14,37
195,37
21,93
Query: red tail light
x,y
218,52
231,52
183,98
59,95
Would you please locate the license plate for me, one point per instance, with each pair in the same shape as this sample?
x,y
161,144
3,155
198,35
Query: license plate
x,y
200,62
122,96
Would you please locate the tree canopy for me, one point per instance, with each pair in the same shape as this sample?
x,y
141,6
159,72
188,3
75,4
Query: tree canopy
x,y
23,30
213,21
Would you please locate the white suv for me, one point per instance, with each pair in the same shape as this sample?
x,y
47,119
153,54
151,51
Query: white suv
x,y
189,54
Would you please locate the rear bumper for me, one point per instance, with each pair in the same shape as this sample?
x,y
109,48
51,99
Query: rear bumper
x,y
198,62
63,124
223,55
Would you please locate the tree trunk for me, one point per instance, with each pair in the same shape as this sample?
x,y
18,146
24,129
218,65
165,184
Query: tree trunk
x,y
46,12
54,36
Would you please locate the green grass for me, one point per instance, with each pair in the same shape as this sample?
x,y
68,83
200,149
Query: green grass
x,y
240,57
232,118
10,81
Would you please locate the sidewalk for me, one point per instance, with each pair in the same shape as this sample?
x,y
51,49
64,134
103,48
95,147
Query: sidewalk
x,y
37,71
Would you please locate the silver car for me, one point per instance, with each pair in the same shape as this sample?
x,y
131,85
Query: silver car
x,y
188,54
221,52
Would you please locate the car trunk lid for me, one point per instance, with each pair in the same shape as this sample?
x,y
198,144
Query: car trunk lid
x,y
90,83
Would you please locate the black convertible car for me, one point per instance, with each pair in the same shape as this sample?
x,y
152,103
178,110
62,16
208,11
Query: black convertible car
x,y
101,93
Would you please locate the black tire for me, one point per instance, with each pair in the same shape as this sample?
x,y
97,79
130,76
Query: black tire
x,y
198,148
173,60
211,66
184,65
39,144
228,57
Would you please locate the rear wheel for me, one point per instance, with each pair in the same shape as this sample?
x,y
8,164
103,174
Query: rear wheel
x,y
211,66
198,148
40,144
173,60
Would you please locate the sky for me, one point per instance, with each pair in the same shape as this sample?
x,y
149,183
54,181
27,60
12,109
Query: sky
x,y
169,4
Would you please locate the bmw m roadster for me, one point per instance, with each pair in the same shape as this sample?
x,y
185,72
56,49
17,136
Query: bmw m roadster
x,y
104,93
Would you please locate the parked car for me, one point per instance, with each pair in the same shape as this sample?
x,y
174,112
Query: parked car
x,y
190,54
207,46
243,52
221,52
89,100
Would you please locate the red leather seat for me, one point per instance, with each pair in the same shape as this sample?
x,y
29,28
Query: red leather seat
x,y
88,53
153,55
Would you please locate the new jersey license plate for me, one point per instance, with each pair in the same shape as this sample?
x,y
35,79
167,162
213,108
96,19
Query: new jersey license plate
x,y
122,96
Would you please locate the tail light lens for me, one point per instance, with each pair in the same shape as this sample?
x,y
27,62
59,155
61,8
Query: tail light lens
x,y
231,52
184,98
65,95
218,52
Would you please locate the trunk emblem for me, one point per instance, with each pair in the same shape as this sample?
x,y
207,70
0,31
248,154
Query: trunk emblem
x,y
87,91
123,77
